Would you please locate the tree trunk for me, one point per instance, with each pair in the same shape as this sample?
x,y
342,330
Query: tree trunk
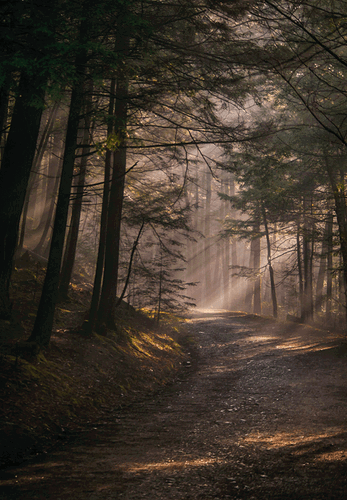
x,y
233,243
323,271
249,286
207,242
54,170
341,297
44,320
23,226
94,306
300,276
160,285
33,181
329,269
196,255
307,262
256,267
225,252
70,250
226,273
108,298
136,242
4,101
216,277
338,190
15,170
269,261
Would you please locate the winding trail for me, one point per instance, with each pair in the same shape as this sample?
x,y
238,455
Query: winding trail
x,y
259,412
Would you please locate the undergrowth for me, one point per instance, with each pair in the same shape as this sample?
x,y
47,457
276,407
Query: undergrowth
x,y
77,381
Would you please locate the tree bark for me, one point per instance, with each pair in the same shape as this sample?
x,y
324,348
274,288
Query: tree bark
x,y
307,247
207,242
108,297
94,305
136,242
4,101
269,261
15,170
249,286
256,267
54,172
338,190
225,251
329,269
160,285
71,245
233,252
322,272
341,296
44,320
300,275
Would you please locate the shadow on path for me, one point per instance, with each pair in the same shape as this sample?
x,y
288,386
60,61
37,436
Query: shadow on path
x,y
259,413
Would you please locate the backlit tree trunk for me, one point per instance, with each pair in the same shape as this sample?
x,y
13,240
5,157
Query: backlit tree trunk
x,y
54,171
32,188
44,320
322,272
71,245
256,267
108,298
207,241
338,189
300,274
269,261
93,310
329,268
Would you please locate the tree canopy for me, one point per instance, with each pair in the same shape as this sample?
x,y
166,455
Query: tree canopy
x,y
124,120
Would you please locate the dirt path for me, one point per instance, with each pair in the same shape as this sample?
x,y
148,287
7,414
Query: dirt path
x,y
259,413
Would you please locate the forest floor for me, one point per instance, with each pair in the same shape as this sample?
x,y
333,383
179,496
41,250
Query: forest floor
x,y
258,411
47,398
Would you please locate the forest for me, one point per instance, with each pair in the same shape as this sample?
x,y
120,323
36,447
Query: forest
x,y
175,153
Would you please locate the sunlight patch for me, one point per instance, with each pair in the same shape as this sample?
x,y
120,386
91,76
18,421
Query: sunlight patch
x,y
262,338
297,346
290,439
172,464
336,456
24,479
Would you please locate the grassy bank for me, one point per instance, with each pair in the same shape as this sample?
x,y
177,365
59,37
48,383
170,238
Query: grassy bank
x,y
78,381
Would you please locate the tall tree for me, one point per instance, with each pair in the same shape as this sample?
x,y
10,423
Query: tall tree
x,y
71,243
108,298
44,320
306,40
19,151
34,26
99,268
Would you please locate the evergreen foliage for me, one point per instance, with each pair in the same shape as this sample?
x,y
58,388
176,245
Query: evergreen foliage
x,y
157,106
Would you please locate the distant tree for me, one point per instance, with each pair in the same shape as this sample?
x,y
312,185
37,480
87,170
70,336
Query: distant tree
x,y
36,173
71,243
54,168
305,40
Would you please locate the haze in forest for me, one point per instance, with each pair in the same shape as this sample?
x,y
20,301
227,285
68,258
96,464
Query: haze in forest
x,y
176,154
